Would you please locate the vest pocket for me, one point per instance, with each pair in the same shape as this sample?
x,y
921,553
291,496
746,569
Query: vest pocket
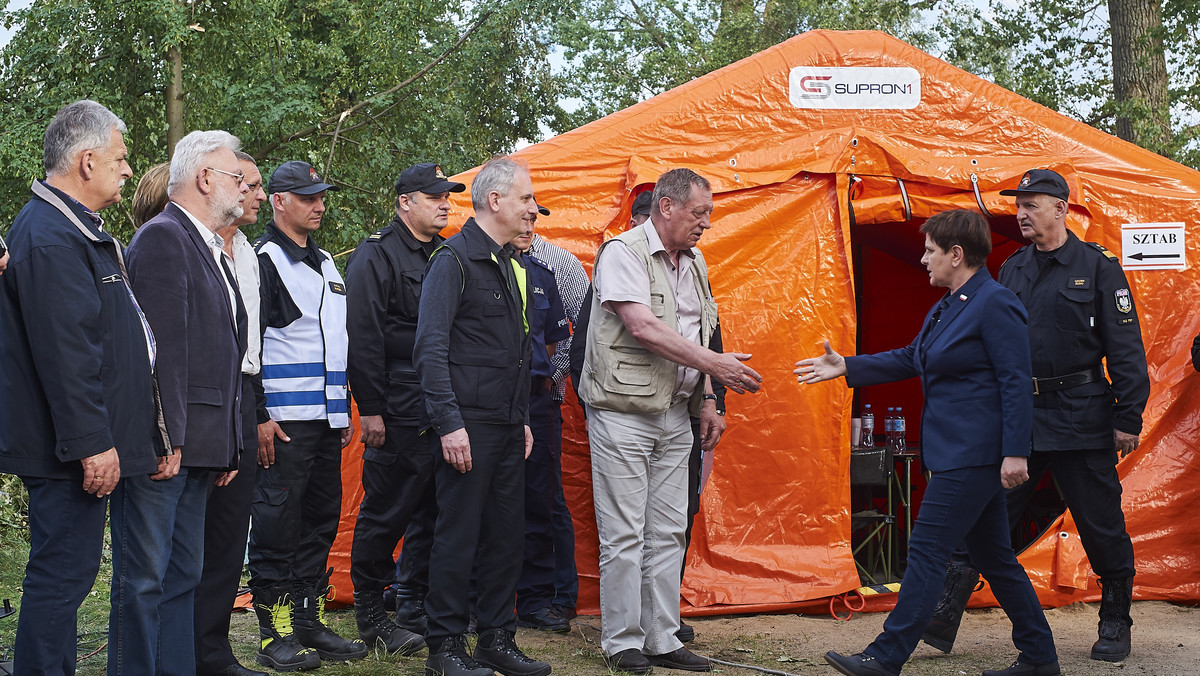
x,y
631,373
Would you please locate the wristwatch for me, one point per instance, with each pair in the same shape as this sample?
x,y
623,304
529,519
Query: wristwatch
x,y
713,399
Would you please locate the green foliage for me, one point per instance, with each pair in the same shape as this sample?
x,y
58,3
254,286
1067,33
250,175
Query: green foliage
x,y
620,52
279,74
1059,54
14,510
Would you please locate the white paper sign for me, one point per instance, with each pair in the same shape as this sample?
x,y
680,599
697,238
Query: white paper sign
x,y
854,88
1153,246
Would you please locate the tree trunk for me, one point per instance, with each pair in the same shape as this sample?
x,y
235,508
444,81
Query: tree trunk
x,y
174,100
1140,74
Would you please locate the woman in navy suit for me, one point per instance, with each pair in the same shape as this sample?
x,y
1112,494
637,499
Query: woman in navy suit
x,y
972,356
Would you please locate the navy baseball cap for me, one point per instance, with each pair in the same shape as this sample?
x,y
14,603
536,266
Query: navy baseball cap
x,y
641,204
428,178
1043,182
543,210
298,177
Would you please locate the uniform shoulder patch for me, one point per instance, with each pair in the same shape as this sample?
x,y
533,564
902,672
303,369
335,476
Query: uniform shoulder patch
x,y
380,234
1108,254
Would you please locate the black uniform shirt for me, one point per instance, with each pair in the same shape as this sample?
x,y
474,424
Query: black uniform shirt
x,y
1080,312
384,278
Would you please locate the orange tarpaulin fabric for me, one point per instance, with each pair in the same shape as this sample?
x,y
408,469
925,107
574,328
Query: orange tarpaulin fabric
x,y
815,237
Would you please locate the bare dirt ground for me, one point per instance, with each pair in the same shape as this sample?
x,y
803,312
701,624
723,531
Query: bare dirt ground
x,y
1166,642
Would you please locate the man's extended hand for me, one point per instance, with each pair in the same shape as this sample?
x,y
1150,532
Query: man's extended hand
x,y
1014,471
168,466
1126,443
268,432
728,368
224,478
374,434
712,426
101,472
528,441
456,449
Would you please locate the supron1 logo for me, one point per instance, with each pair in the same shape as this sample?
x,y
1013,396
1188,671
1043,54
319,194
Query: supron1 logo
x,y
815,86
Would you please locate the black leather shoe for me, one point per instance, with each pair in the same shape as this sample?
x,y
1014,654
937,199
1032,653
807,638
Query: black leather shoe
x,y
686,633
544,620
237,669
1020,668
681,658
857,665
630,661
497,650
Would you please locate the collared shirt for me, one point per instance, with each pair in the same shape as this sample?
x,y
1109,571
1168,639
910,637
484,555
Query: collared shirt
x,y
245,268
626,280
216,247
573,284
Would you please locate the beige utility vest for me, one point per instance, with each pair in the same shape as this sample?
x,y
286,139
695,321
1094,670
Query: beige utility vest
x,y
619,374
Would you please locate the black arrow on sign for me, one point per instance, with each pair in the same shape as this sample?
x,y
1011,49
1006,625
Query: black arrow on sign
x,y
1141,256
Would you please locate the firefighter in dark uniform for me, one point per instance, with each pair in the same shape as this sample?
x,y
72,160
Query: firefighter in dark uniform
x,y
1081,312
543,475
384,280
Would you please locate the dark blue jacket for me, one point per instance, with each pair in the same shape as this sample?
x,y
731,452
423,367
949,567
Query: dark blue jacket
x,y
975,371
201,339
547,318
75,375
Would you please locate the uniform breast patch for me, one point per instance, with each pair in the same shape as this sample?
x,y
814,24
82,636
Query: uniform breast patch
x,y
1079,283
337,288
1124,300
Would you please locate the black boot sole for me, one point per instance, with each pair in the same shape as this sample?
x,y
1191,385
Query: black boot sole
x,y
267,661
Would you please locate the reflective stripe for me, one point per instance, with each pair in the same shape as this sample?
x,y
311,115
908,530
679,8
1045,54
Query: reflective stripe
x,y
309,370
296,399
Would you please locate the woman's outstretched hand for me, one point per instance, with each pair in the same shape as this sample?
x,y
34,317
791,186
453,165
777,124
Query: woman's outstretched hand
x,y
817,369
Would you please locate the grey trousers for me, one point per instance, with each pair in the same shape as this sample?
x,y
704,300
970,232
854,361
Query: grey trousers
x,y
639,486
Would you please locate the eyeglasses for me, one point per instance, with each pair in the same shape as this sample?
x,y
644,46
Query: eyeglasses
x,y
239,177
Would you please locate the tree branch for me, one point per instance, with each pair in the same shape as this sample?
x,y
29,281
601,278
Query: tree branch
x,y
309,131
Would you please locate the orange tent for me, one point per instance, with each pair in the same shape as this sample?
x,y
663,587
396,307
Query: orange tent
x,y
825,154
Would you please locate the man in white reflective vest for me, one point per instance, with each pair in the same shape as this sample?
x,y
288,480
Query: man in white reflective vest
x,y
303,423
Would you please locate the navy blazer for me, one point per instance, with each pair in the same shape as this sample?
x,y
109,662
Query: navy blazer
x,y
200,338
975,371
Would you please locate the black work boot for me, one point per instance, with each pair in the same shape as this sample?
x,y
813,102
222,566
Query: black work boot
x,y
375,629
410,610
277,647
308,615
961,581
1113,644
451,659
497,649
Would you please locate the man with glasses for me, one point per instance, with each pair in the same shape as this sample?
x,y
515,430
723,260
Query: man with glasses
x,y
190,300
303,423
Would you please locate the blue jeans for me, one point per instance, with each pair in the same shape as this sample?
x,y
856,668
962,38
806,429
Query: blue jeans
x,y
158,554
66,533
966,502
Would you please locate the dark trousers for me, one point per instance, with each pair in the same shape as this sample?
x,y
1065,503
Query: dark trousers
x,y
566,576
412,568
960,502
543,480
397,481
226,524
66,533
694,470
297,501
479,512
1092,490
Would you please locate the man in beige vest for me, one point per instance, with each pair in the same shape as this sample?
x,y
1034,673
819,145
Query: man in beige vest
x,y
643,377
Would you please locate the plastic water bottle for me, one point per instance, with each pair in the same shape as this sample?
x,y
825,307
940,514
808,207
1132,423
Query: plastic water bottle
x,y
900,444
889,427
868,427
